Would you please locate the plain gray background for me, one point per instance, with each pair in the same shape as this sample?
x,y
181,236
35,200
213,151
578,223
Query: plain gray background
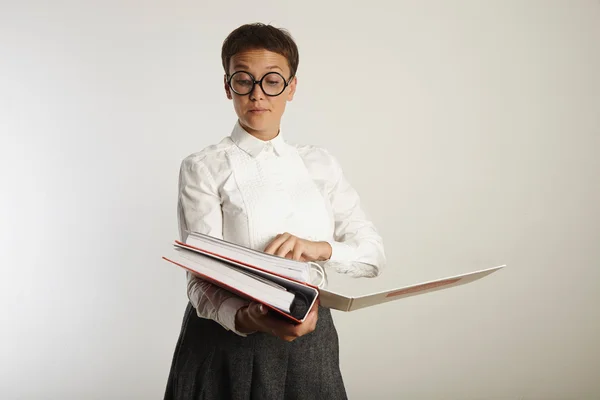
x,y
470,128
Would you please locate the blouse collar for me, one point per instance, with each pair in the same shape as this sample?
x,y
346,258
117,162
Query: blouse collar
x,y
253,145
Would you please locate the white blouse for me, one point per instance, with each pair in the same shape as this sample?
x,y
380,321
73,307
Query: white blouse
x,y
247,191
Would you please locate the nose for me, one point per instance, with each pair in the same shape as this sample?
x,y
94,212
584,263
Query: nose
x,y
257,92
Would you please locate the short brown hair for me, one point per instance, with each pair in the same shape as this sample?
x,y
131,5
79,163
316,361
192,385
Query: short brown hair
x,y
260,36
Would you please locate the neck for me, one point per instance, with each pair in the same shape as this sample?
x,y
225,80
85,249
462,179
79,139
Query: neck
x,y
264,135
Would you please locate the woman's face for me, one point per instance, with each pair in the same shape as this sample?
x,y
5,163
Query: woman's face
x,y
258,113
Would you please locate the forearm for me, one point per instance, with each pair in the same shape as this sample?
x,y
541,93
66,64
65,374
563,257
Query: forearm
x,y
212,302
358,257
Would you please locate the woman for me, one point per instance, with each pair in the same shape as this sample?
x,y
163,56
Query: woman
x,y
255,189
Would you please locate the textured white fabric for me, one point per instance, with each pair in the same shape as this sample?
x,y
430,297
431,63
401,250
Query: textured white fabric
x,y
247,191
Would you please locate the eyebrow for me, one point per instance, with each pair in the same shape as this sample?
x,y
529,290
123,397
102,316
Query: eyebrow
x,y
245,66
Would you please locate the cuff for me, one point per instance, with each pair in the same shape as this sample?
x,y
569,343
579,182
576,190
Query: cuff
x,y
227,312
341,252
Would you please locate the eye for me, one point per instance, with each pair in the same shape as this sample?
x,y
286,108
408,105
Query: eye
x,y
243,82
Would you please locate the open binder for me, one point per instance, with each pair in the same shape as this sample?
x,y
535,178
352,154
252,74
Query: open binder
x,y
281,284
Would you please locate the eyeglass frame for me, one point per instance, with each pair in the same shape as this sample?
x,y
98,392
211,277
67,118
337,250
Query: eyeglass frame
x,y
254,82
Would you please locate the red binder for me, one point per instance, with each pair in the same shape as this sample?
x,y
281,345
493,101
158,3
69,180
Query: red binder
x,y
226,272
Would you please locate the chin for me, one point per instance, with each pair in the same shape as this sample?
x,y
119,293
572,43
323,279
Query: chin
x,y
256,124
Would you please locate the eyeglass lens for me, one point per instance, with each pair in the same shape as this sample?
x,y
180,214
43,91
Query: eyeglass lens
x,y
272,83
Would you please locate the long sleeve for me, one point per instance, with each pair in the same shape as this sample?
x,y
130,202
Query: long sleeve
x,y
199,210
357,249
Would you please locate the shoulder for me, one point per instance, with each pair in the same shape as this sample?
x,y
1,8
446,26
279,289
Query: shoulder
x,y
210,164
211,158
321,164
317,156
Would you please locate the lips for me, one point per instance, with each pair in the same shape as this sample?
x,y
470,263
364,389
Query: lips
x,y
258,110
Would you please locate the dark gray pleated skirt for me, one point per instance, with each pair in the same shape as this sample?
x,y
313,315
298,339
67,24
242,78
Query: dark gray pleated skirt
x,y
212,363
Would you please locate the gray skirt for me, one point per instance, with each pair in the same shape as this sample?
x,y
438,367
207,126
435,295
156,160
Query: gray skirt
x,y
211,362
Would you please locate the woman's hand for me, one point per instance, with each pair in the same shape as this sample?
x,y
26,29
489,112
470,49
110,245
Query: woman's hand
x,y
256,318
290,246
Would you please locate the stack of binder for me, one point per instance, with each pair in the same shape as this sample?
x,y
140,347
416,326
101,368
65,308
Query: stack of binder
x,y
281,284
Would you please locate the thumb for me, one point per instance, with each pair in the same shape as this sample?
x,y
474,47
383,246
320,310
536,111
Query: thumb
x,y
260,309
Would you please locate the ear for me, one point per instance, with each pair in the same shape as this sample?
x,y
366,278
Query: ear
x,y
292,87
227,88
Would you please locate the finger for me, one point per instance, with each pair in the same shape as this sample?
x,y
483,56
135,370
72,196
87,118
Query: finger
x,y
316,304
290,332
257,311
286,247
298,250
284,330
261,318
307,326
312,318
278,327
314,314
275,243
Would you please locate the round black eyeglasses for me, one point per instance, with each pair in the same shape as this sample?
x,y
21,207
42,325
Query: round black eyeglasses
x,y
272,83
